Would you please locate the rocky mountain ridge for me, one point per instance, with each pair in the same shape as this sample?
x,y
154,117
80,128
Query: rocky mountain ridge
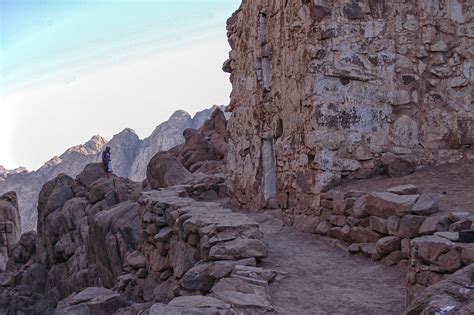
x,y
130,157
169,245
108,245
4,172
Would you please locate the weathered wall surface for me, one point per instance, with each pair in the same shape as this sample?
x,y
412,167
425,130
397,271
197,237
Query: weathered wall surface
x,y
324,90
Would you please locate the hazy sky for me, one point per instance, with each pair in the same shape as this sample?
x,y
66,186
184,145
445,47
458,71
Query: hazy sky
x,y
72,69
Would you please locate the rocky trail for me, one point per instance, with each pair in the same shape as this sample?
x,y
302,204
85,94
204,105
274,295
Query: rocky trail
x,y
319,277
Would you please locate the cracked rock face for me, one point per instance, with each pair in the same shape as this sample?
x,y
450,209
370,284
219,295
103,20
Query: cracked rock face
x,y
322,90
86,228
9,227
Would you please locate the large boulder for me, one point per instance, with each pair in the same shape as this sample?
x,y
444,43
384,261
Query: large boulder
x,y
202,153
52,196
82,237
164,170
25,249
216,129
9,226
91,173
195,149
114,233
24,292
204,145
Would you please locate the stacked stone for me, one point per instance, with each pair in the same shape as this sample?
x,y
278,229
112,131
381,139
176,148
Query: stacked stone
x,y
434,257
201,248
379,225
396,226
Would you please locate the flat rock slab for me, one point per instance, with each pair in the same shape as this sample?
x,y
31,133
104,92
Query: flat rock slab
x,y
425,205
452,236
203,216
229,235
199,305
242,294
92,300
408,189
383,205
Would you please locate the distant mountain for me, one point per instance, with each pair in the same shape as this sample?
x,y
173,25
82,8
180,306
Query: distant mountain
x,y
6,172
130,157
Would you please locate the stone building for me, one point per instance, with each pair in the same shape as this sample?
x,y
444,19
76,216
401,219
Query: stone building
x,y
326,90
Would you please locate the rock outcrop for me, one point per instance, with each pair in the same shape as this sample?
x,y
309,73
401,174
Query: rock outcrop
x,y
4,173
166,136
27,185
100,251
192,246
84,226
326,90
130,159
9,227
164,170
201,154
104,246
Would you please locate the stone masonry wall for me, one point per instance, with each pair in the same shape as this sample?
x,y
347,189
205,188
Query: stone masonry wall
x,y
399,226
324,90
197,247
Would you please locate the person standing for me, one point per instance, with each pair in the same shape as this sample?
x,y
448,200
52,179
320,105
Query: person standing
x,y
106,160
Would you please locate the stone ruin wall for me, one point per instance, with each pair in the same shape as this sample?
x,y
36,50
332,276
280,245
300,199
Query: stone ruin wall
x,y
323,90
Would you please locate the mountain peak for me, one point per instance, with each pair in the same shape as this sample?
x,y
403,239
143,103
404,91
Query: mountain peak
x,y
95,144
180,114
53,161
127,131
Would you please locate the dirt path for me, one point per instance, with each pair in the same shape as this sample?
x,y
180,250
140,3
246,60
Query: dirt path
x,y
323,278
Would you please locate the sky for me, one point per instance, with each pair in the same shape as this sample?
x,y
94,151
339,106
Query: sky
x,y
71,69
